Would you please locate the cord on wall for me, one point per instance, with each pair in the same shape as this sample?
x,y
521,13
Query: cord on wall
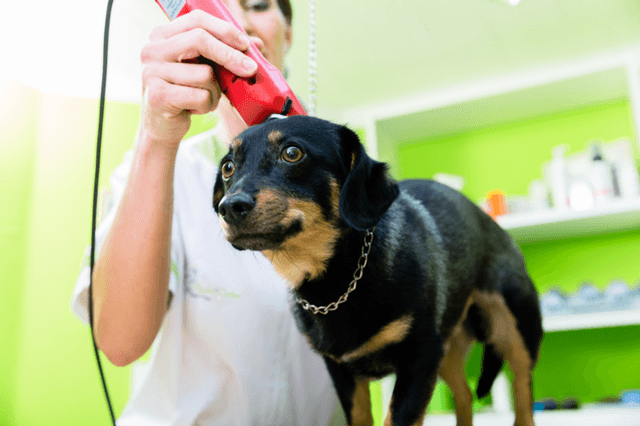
x,y
94,216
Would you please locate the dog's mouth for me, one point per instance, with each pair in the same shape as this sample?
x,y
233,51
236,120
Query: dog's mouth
x,y
248,239
266,227
292,233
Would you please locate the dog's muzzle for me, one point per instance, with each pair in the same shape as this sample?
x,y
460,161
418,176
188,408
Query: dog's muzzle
x,y
235,208
249,224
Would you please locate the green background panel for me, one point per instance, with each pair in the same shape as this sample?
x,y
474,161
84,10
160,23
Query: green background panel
x,y
48,373
17,144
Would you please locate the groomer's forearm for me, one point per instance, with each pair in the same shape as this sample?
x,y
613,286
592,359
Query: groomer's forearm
x,y
132,274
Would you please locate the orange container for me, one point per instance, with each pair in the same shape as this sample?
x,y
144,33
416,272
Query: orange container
x,y
497,203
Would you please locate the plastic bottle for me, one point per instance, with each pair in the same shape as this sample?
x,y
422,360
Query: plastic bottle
x,y
581,194
628,179
601,177
558,177
538,195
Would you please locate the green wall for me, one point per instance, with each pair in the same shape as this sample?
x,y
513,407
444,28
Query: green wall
x,y
17,143
54,375
588,364
48,374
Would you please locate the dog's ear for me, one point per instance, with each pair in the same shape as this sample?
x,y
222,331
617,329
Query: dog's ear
x,y
368,191
218,191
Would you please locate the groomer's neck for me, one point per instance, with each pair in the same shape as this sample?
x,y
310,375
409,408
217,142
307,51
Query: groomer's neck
x,y
233,122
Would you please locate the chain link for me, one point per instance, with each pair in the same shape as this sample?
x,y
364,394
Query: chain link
x,y
362,262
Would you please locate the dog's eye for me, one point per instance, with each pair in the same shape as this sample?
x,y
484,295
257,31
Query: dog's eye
x,y
227,169
292,154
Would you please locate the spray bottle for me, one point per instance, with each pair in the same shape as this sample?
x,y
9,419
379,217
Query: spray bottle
x,y
601,176
558,178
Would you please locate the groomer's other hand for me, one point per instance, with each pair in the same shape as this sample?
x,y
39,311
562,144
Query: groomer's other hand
x,y
174,87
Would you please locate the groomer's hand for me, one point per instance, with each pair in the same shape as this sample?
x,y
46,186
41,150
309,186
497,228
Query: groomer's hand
x,y
174,86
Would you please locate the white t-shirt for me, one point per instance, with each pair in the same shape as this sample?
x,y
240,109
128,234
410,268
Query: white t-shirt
x,y
228,351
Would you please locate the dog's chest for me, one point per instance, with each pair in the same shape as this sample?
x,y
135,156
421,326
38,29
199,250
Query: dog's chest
x,y
362,344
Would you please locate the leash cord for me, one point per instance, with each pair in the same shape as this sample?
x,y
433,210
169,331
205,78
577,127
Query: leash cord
x,y
95,203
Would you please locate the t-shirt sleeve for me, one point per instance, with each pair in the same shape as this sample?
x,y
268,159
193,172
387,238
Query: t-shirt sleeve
x,y
80,296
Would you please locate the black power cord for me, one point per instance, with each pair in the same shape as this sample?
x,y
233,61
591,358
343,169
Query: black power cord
x,y
95,202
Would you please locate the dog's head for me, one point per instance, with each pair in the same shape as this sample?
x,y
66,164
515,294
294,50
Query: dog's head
x,y
295,183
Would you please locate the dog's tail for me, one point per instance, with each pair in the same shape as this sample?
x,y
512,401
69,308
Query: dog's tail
x,y
491,360
491,366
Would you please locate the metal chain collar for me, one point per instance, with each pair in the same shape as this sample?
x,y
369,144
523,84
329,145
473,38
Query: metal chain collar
x,y
362,262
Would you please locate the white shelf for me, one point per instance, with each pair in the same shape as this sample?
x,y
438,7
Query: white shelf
x,y
552,224
592,320
613,415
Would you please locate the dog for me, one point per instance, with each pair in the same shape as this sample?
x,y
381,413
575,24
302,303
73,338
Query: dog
x,y
387,277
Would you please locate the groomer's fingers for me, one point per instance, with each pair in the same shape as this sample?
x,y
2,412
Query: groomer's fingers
x,y
167,109
183,74
198,42
222,30
258,42
168,99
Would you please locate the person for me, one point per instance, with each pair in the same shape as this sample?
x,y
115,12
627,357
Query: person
x,y
223,346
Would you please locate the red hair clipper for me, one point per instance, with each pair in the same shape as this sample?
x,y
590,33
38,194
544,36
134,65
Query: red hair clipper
x,y
257,97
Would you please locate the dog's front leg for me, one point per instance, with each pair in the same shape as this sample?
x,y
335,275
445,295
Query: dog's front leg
x,y
415,382
353,392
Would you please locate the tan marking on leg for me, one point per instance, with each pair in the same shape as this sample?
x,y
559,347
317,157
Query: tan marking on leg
x,y
420,421
456,348
463,317
506,338
452,372
361,408
393,332
305,255
274,137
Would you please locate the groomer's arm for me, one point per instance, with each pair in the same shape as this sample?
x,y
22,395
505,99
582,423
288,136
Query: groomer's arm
x,y
132,273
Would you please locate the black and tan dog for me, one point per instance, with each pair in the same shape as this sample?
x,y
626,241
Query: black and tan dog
x,y
387,277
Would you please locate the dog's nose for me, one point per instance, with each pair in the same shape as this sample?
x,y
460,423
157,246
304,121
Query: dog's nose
x,y
235,208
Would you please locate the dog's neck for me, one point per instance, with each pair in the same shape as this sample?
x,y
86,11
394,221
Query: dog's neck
x,y
305,262
305,256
